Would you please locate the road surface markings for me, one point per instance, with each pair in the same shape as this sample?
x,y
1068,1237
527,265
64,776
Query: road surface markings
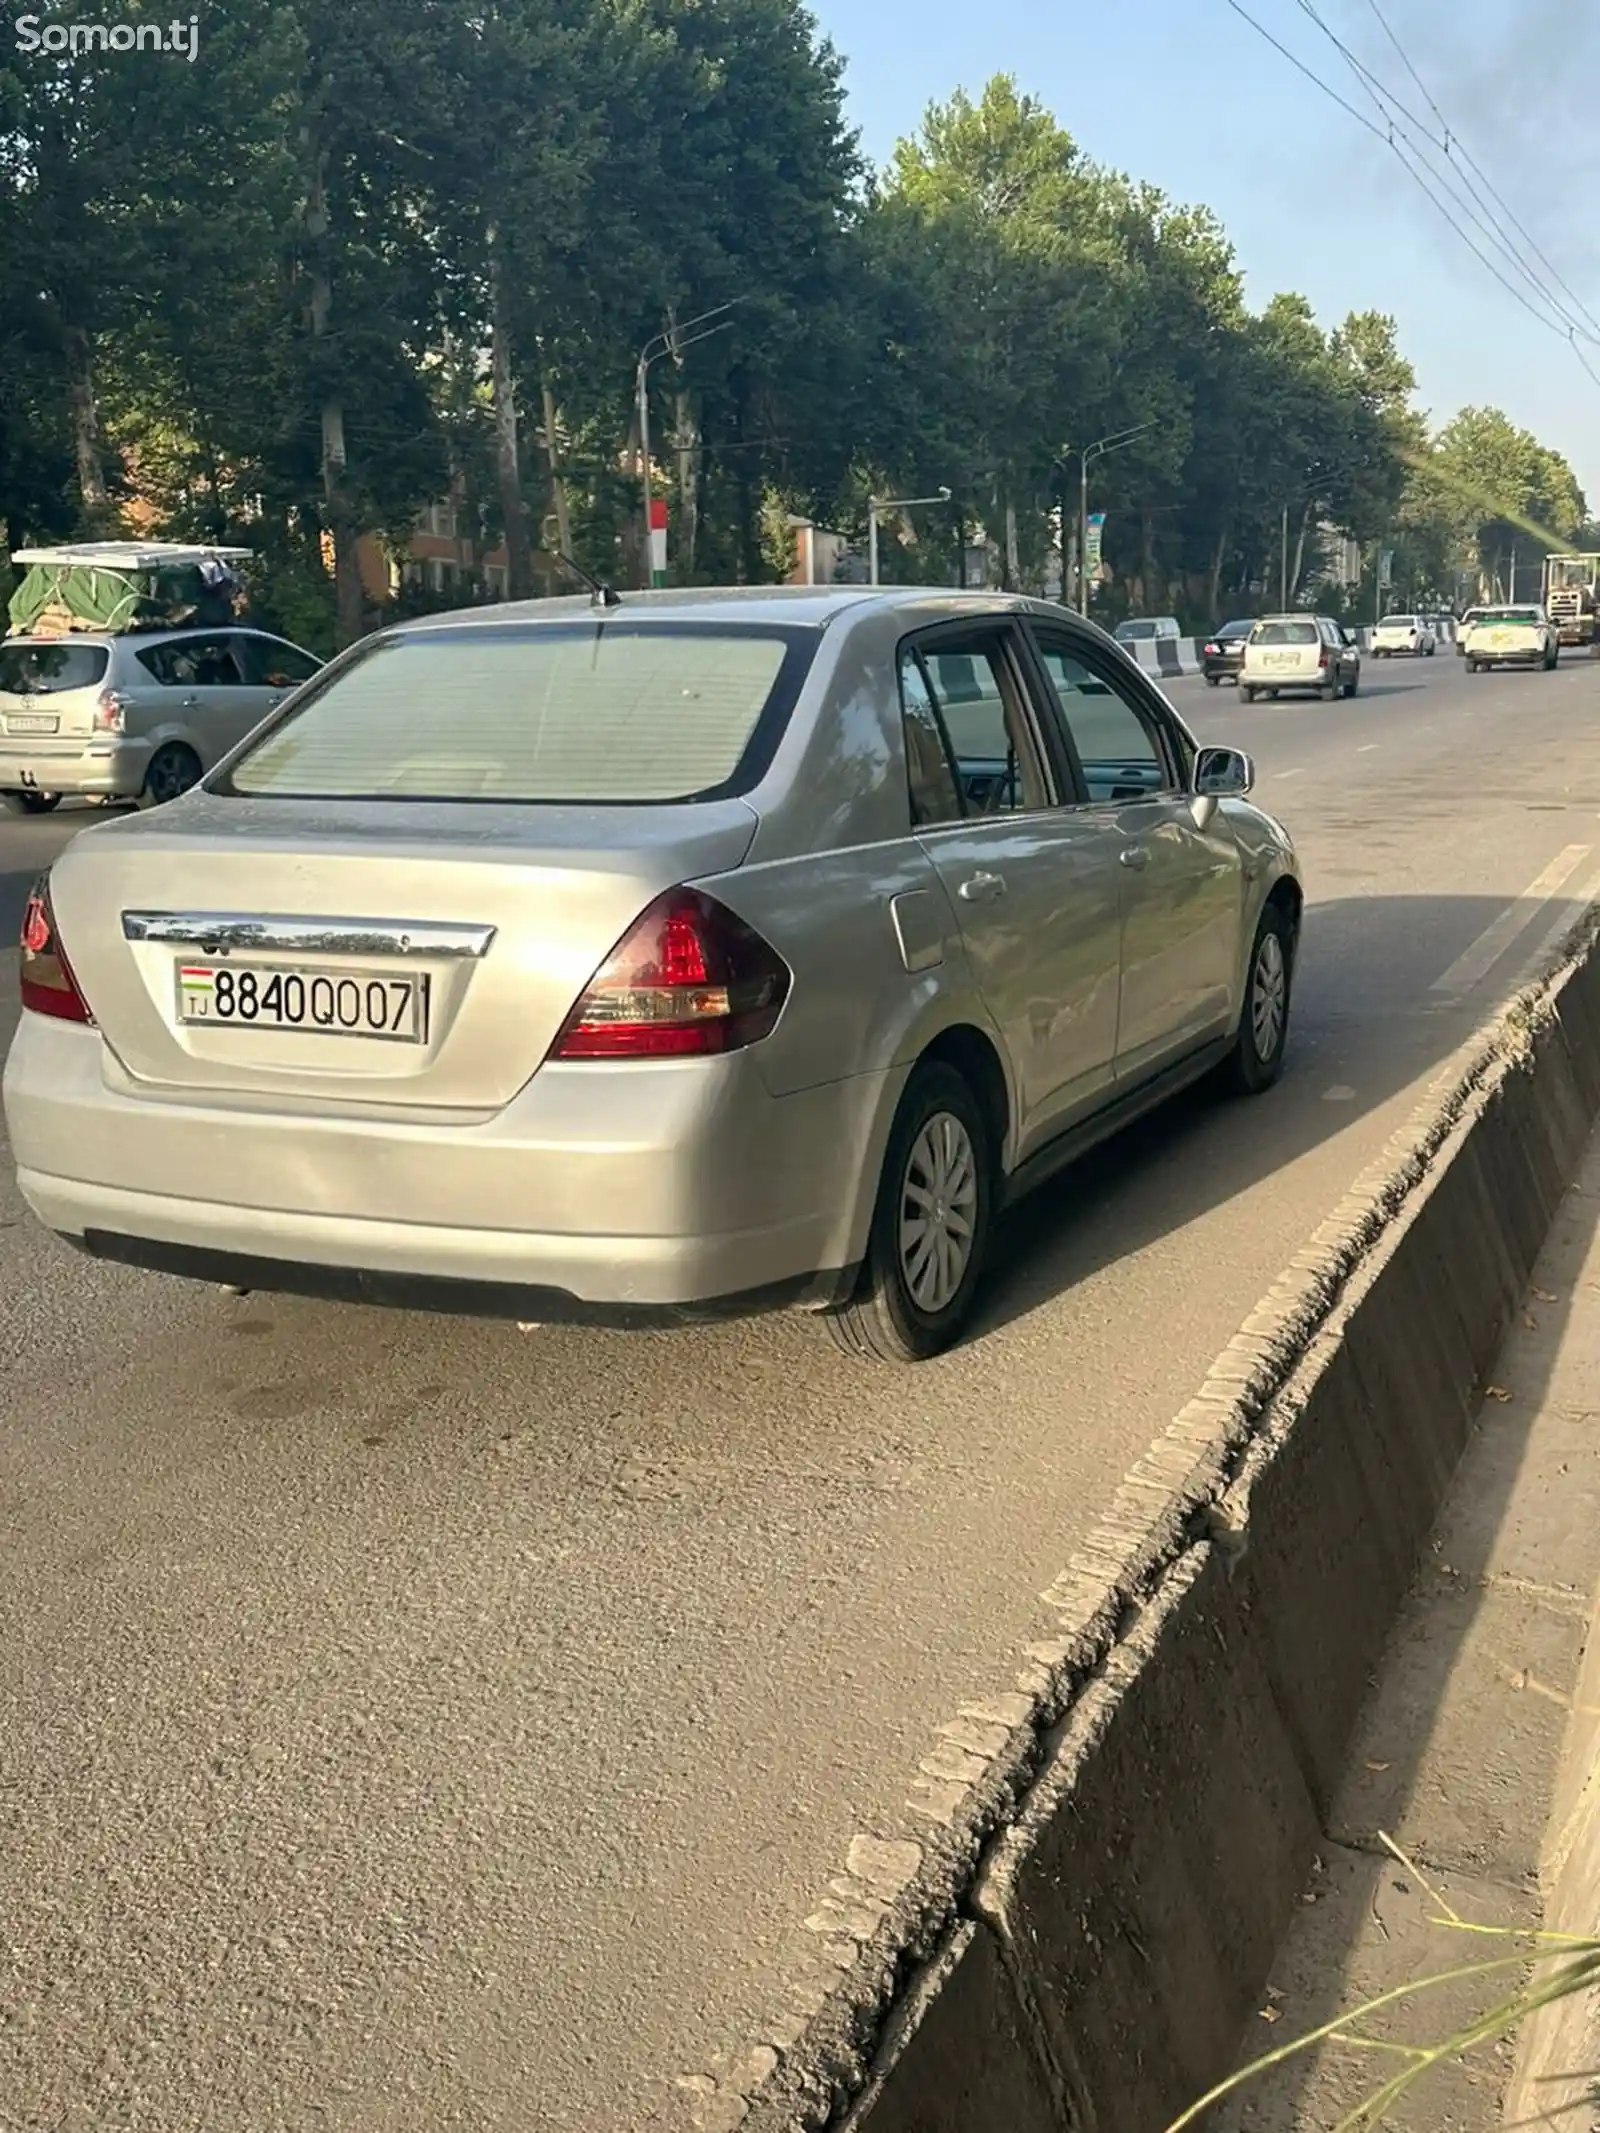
x,y
1340,1093
1300,773
1367,747
1471,967
1572,911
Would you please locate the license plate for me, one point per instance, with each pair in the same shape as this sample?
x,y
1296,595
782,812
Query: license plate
x,y
31,722
1502,637
1278,661
340,1003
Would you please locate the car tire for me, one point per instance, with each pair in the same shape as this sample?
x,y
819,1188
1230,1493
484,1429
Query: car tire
x,y
1211,681
173,769
1351,687
30,803
1474,667
1248,694
1330,692
1256,1060
942,1136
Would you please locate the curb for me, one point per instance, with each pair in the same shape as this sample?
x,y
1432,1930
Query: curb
x,y
1104,1857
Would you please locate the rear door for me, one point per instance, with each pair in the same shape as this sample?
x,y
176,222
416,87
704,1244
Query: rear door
x,y
196,693
1181,887
1031,877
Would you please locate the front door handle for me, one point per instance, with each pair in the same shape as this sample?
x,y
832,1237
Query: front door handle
x,y
982,888
1136,856
190,703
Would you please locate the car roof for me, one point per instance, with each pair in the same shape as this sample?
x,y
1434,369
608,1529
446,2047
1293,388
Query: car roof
x,y
140,638
802,606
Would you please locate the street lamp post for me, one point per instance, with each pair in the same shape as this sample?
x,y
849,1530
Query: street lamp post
x,y
877,506
1114,443
671,343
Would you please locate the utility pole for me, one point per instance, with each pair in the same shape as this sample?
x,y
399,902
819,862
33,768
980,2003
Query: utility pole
x,y
877,506
671,343
1283,574
1098,450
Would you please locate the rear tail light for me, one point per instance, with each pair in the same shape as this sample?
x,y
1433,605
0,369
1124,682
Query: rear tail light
x,y
47,984
1213,651
688,979
1323,656
109,712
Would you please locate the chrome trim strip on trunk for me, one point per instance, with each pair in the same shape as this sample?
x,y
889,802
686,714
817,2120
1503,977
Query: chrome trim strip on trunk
x,y
219,931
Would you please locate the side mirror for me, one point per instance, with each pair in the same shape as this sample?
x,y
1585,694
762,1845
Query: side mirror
x,y
1223,774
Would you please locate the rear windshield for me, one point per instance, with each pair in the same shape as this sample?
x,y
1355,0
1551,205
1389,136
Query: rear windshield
x,y
1285,633
583,712
1236,629
47,669
1398,622
1501,617
1133,632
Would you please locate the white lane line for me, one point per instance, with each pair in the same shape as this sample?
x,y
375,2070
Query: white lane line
x,y
1368,746
1300,773
1573,909
1476,962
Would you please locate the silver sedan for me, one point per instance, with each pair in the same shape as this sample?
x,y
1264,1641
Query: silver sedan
x,y
685,956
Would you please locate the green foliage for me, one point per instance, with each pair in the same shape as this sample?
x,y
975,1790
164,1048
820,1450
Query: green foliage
x,y
207,271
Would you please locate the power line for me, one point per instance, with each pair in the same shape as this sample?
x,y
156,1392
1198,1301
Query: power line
x,y
1562,324
1410,125
1468,159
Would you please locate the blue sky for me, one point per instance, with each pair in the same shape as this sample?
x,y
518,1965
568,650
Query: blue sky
x,y
1185,94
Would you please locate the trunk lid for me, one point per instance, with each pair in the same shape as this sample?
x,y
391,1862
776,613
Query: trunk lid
x,y
500,914
50,686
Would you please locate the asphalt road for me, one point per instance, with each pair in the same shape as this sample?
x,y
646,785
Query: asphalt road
x,y
408,1724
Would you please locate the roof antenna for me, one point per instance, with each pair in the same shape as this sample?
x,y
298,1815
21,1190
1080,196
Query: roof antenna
x,y
599,595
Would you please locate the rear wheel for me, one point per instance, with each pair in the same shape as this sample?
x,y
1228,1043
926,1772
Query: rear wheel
x,y
1352,685
1211,681
1330,692
1474,666
30,803
1256,1060
930,1227
1247,692
173,769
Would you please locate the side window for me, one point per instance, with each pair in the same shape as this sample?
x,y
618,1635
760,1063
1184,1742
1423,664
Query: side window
x,y
981,707
269,663
929,771
1122,755
193,663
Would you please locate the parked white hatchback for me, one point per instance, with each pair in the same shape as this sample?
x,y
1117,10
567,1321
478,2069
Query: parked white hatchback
x,y
1411,635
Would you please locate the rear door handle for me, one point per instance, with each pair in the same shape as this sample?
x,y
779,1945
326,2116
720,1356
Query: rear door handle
x,y
982,888
1136,856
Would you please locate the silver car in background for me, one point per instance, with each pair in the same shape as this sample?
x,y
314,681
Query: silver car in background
x,y
142,716
686,957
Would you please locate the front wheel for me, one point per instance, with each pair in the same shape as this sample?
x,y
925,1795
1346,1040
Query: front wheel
x,y
1256,1060
30,803
930,1228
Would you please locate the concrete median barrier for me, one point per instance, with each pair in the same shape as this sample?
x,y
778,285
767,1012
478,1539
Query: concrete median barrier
x,y
1111,1847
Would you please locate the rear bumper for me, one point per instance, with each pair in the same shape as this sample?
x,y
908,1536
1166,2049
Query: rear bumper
x,y
112,768
624,1193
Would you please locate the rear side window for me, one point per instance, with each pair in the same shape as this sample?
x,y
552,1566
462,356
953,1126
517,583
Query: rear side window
x,y
587,712
1284,633
929,772
49,669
